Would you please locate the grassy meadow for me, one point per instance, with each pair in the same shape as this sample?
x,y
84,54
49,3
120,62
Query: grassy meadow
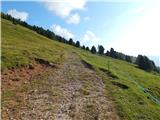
x,y
132,102
21,45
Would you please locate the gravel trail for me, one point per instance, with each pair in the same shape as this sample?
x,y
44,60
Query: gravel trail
x,y
71,92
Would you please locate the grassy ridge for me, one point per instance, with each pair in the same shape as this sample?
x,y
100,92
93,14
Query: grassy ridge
x,y
132,103
20,46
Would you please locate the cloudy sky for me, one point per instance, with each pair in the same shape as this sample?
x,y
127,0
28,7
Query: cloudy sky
x,y
128,26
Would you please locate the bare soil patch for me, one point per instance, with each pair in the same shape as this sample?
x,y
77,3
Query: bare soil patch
x,y
71,92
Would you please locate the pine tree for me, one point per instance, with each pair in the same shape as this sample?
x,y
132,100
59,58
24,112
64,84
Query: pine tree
x,y
100,49
87,48
77,44
83,47
70,41
128,58
93,50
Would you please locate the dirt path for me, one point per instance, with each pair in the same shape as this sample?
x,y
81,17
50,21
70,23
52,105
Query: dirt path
x,y
71,92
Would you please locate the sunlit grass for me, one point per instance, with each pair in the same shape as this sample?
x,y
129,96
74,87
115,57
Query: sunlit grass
x,y
21,45
132,103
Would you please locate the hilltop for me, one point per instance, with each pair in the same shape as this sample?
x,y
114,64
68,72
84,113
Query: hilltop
x,y
41,77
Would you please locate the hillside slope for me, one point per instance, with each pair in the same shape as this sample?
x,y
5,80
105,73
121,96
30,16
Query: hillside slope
x,y
136,92
128,87
20,45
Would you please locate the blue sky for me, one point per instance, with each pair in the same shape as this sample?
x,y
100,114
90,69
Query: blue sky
x,y
129,27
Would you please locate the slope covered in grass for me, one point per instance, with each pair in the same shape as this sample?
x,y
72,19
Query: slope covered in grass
x,y
20,45
128,88
125,83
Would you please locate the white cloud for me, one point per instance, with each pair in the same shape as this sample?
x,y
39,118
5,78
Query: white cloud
x,y
138,9
86,18
57,29
142,35
74,19
17,14
90,36
64,8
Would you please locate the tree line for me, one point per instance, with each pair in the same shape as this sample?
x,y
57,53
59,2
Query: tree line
x,y
146,64
114,54
47,33
143,62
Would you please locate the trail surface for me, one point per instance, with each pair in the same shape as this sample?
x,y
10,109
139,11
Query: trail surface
x,y
71,92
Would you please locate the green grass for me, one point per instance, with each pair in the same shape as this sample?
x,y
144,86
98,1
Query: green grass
x,y
21,45
132,103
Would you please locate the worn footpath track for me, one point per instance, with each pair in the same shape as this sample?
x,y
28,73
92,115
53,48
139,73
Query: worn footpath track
x,y
71,92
